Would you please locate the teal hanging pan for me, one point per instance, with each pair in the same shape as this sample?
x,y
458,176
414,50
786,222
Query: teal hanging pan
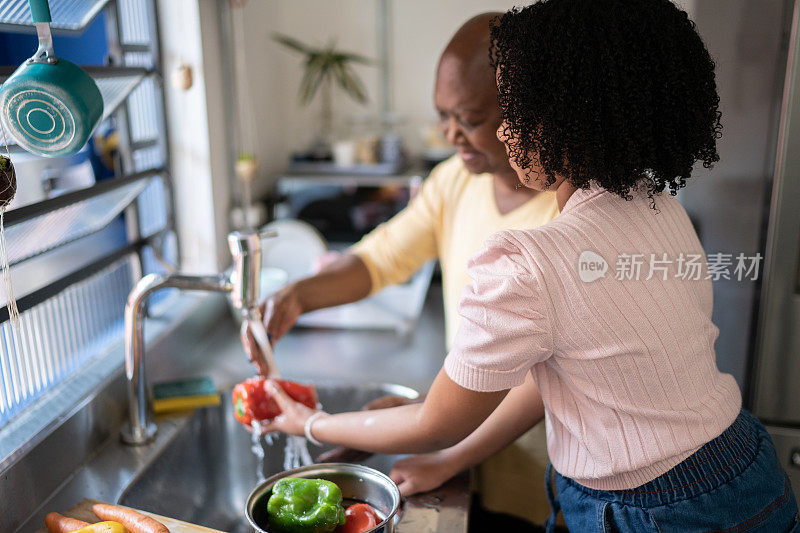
x,y
50,106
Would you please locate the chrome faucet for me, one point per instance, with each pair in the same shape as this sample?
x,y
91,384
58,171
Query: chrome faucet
x,y
243,285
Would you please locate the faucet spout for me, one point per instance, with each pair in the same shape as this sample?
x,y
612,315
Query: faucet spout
x,y
246,252
242,284
140,430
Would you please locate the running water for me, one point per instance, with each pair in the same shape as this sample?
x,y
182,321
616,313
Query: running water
x,y
258,449
296,453
256,325
11,302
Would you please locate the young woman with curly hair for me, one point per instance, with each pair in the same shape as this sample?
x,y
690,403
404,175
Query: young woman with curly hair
x,y
610,103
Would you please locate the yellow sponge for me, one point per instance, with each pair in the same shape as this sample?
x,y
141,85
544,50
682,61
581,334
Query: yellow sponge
x,y
184,394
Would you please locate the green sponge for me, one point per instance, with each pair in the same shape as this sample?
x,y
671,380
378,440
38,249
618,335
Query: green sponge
x,y
184,394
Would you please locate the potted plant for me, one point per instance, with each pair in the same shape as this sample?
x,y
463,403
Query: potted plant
x,y
8,181
246,167
325,68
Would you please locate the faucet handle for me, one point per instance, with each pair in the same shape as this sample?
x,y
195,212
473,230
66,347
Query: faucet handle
x,y
248,241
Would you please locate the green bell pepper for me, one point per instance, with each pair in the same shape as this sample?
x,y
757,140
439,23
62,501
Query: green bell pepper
x,y
305,506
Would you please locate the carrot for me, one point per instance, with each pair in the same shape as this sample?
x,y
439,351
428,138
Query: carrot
x,y
135,522
57,523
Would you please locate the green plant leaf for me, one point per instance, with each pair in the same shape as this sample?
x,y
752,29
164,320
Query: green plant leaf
x,y
312,80
291,42
345,57
350,83
315,60
327,64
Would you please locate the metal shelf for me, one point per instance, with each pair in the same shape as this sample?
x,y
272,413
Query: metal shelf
x,y
37,228
294,182
68,15
115,84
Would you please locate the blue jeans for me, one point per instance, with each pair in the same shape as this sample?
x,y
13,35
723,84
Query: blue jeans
x,y
732,484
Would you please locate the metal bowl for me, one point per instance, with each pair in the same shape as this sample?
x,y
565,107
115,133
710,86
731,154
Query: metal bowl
x,y
357,482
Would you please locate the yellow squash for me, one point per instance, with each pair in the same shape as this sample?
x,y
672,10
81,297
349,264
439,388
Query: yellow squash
x,y
103,527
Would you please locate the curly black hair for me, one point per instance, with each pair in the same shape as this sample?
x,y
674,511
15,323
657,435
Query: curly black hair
x,y
620,92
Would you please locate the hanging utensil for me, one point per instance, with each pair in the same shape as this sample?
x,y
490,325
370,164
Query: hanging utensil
x,y
50,106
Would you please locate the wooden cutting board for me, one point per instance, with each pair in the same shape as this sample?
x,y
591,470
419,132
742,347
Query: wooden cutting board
x,y
83,511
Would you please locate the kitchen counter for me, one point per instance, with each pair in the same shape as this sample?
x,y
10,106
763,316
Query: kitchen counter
x,y
350,356
207,344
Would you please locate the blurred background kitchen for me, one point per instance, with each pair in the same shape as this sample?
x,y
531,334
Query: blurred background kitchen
x,y
205,131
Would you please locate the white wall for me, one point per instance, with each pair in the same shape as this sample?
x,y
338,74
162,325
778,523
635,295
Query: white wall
x,y
197,149
197,118
420,30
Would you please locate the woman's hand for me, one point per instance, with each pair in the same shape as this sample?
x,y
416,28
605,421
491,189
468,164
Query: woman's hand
x,y
344,280
421,473
293,415
280,313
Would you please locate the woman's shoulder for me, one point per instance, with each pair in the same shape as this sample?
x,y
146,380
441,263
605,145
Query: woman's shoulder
x,y
507,242
598,211
502,255
605,225
509,253
528,242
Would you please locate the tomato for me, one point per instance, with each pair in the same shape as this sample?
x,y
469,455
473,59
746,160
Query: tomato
x,y
359,517
252,402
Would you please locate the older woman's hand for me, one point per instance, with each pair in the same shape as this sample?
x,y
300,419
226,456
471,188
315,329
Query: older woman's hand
x,y
280,314
424,472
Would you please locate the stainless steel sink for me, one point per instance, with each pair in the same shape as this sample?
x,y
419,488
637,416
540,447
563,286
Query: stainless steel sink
x,y
207,470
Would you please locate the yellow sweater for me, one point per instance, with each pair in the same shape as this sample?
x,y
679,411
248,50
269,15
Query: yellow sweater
x,y
450,218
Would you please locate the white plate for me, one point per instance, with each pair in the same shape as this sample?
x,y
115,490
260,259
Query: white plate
x,y
295,249
272,280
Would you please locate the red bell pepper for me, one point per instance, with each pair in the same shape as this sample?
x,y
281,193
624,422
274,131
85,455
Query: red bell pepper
x,y
251,401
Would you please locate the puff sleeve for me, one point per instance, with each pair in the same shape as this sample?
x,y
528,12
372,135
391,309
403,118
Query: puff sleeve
x,y
504,328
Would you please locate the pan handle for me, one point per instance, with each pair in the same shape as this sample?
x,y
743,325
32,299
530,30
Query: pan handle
x,y
40,13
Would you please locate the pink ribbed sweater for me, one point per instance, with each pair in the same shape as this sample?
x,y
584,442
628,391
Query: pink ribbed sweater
x,y
626,367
